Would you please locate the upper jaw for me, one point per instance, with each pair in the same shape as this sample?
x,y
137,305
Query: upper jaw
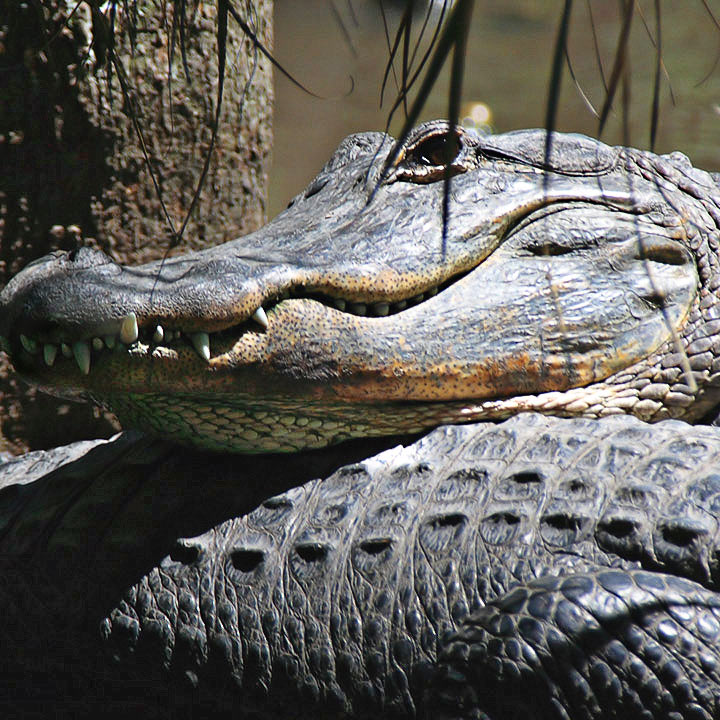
x,y
335,244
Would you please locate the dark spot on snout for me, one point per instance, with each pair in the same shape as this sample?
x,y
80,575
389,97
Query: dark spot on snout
x,y
376,546
527,477
680,536
618,527
451,520
246,559
312,552
185,554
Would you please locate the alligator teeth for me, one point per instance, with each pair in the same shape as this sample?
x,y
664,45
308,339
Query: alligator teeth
x,y
417,299
65,349
201,343
400,305
339,303
81,351
159,334
381,309
260,317
49,354
29,344
129,329
97,344
109,341
357,308
432,292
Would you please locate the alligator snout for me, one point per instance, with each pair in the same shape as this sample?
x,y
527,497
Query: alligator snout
x,y
78,303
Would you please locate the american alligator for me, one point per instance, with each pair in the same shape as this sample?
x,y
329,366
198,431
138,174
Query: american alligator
x,y
537,568
587,287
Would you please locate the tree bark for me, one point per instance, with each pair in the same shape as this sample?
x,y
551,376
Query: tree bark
x,y
73,167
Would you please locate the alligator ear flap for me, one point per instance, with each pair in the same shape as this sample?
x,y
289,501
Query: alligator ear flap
x,y
606,644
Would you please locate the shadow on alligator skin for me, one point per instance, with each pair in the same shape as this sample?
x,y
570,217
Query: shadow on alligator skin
x,y
82,523
564,568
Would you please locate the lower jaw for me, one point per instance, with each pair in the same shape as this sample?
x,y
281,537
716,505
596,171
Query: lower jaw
x,y
228,423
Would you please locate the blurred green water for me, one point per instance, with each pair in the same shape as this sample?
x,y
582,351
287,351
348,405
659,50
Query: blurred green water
x,y
507,68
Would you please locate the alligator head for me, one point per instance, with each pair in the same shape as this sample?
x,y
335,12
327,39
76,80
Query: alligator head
x,y
585,284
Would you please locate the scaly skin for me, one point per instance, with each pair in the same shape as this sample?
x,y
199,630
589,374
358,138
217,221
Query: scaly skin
x,y
589,289
539,568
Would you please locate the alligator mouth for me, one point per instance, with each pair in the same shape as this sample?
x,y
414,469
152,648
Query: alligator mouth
x,y
128,334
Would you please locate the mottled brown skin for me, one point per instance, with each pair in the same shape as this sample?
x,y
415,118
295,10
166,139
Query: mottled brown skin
x,y
584,286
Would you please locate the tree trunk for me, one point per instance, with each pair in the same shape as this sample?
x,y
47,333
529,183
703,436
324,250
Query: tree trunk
x,y
73,167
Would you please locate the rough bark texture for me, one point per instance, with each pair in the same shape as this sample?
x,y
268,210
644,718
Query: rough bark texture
x,y
73,169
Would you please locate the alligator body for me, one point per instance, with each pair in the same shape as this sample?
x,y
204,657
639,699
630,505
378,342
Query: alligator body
x,y
540,567
586,285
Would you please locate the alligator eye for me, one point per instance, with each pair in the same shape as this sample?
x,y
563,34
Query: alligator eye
x,y
438,150
425,157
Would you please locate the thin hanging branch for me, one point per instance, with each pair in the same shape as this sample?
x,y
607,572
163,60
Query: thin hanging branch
x,y
618,64
556,80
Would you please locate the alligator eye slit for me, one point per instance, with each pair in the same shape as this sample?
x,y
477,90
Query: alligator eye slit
x,y
549,249
278,503
655,298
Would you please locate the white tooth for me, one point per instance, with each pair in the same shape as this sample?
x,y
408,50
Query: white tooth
x,y
381,309
129,329
81,351
49,354
340,303
159,334
357,308
201,343
29,344
260,317
66,351
97,344
109,341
